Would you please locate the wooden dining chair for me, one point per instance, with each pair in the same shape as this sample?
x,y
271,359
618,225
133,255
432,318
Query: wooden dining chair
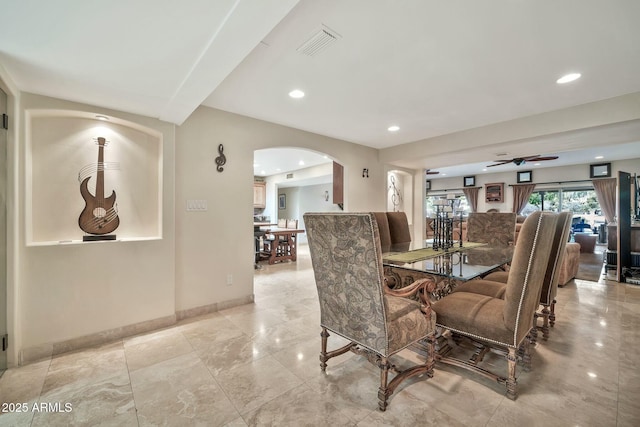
x,y
356,304
501,324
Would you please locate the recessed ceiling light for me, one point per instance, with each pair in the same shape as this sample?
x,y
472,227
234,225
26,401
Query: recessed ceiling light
x,y
484,170
301,162
568,78
536,164
101,117
262,172
296,93
599,157
393,128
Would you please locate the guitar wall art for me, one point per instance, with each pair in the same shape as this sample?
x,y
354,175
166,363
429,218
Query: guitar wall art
x,y
100,214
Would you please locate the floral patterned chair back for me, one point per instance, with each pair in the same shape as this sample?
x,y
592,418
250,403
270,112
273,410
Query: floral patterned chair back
x,y
356,304
347,263
494,228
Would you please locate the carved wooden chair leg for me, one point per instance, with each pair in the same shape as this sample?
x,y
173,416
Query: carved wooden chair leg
x,y
479,353
533,333
545,322
431,354
552,314
526,355
383,392
512,382
323,352
523,352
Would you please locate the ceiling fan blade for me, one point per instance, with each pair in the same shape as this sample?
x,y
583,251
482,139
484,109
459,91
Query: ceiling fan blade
x,y
501,162
535,159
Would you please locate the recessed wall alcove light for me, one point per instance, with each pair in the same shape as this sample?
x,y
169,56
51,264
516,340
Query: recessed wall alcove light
x,y
568,78
393,128
296,93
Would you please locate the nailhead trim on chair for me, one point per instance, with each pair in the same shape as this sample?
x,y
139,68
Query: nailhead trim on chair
x,y
526,280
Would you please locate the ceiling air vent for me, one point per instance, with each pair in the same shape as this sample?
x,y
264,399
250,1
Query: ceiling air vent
x,y
318,41
289,175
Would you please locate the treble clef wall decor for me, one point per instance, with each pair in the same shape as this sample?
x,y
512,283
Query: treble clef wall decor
x,y
221,159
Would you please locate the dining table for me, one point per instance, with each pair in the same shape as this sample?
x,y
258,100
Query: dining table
x,y
283,244
447,268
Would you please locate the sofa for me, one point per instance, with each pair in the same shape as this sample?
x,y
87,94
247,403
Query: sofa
x,y
587,241
570,264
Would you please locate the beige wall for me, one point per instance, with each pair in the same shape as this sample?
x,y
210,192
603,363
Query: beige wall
x,y
215,245
67,291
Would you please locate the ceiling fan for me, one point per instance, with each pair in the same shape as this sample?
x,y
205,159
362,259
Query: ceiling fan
x,y
522,160
430,172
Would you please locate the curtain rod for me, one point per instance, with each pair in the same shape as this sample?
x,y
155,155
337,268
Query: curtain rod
x,y
453,189
554,182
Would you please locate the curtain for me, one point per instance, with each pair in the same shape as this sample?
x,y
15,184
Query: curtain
x,y
521,194
606,194
471,193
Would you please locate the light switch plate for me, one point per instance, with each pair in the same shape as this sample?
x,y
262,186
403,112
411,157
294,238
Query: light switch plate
x,y
196,205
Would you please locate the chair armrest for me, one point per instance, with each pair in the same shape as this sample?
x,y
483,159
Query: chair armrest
x,y
421,289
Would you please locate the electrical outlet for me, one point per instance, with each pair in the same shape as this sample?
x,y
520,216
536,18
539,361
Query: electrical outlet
x,y
229,279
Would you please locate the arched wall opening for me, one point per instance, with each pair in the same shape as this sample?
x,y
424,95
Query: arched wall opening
x,y
295,180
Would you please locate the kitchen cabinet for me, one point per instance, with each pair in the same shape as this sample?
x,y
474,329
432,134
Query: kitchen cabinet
x,y
259,195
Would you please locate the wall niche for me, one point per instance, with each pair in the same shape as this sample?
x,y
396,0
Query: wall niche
x,y
62,149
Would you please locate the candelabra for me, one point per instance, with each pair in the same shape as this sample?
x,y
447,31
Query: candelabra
x,y
443,223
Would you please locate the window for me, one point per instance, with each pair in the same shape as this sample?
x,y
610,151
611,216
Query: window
x,y
546,200
460,197
581,201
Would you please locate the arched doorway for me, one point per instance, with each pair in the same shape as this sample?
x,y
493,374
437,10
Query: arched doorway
x,y
295,181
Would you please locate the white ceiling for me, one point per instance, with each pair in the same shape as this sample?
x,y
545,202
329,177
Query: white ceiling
x,y
429,66
274,161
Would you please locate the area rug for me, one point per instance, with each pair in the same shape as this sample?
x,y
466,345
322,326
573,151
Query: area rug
x,y
591,265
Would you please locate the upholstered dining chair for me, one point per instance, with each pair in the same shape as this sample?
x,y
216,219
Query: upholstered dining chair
x,y
550,285
399,228
356,304
502,324
383,230
494,228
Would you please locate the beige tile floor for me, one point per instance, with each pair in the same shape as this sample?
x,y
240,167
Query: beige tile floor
x,y
258,365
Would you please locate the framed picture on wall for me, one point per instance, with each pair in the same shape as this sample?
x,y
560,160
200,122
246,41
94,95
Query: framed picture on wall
x,y
469,181
494,193
525,177
601,170
282,201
